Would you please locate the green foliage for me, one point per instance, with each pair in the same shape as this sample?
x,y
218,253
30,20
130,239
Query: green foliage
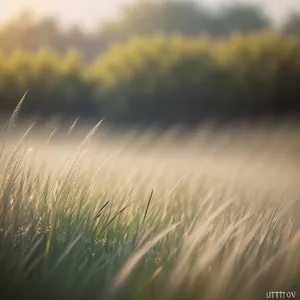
x,y
56,84
147,77
266,69
160,79
173,79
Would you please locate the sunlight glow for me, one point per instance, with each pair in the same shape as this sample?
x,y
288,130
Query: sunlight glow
x,y
90,12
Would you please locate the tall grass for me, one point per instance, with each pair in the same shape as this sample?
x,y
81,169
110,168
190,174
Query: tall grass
x,y
165,217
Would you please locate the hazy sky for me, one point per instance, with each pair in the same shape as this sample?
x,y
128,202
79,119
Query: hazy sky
x,y
90,12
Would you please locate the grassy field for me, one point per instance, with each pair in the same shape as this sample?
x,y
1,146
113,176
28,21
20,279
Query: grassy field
x,y
210,214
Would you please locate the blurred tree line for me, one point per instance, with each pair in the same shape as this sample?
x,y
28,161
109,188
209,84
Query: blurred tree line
x,y
160,79
142,18
138,19
160,62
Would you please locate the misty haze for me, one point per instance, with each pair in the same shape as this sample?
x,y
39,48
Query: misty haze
x,y
149,150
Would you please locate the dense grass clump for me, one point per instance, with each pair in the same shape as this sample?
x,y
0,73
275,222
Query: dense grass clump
x,y
148,217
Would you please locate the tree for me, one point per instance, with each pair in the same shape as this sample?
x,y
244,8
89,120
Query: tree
x,y
29,34
187,18
241,18
292,25
143,18
168,17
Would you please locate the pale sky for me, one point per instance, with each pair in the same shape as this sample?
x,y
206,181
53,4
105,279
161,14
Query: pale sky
x,y
90,12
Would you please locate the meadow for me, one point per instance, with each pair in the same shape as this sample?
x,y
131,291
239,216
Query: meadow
x,y
87,212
